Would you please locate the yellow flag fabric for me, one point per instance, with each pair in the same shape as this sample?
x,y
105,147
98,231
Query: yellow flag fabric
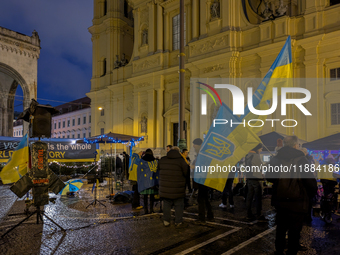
x,y
223,147
17,164
133,167
279,75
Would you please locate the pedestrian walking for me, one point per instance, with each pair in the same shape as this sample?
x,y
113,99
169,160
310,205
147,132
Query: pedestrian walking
x,y
253,182
292,195
172,179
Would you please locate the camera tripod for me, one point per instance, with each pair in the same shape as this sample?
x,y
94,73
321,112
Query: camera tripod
x,y
95,200
39,213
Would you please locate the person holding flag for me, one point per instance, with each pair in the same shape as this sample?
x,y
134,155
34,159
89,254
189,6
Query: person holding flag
x,y
136,156
17,165
225,145
147,177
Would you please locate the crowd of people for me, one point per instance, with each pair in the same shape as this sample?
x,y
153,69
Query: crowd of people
x,y
170,180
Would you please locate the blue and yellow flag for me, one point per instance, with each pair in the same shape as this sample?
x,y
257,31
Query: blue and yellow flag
x,y
17,165
133,167
226,144
222,148
147,174
279,75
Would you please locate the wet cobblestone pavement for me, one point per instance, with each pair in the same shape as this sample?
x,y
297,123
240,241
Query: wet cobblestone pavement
x,y
117,229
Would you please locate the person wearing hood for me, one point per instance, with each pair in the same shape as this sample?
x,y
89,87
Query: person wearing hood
x,y
152,191
172,181
253,182
291,195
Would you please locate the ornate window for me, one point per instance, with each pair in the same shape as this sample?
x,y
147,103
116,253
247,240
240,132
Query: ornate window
x,y
335,114
334,2
176,32
105,10
335,74
104,67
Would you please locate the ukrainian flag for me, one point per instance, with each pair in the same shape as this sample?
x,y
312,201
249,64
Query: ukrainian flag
x,y
223,146
147,174
279,75
17,164
133,167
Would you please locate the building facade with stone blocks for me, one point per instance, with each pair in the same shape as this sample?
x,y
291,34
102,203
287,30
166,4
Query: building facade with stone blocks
x,y
223,38
19,56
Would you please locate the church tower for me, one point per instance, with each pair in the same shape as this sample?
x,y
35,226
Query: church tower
x,y
112,38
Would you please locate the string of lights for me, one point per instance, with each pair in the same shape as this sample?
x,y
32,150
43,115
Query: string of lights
x,y
64,165
107,139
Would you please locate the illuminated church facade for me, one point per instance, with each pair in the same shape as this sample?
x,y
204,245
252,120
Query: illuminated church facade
x,y
135,79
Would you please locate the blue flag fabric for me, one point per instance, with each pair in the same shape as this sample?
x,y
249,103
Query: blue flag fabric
x,y
147,174
224,146
135,158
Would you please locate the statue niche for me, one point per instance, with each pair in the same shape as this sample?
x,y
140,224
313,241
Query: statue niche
x,y
215,9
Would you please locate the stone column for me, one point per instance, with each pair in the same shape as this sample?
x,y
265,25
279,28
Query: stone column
x,y
160,121
188,22
203,18
136,102
159,28
151,32
195,20
225,13
136,14
166,32
151,131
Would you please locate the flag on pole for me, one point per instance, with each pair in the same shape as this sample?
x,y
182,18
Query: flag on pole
x,y
279,75
227,144
17,165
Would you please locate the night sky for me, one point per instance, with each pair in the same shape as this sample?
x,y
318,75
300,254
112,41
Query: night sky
x,y
65,63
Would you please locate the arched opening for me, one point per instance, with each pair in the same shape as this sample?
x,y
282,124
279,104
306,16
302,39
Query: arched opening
x,y
12,98
18,106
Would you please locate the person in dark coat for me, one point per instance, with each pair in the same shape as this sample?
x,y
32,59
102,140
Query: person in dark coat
x,y
126,164
172,180
291,206
119,167
253,182
203,191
